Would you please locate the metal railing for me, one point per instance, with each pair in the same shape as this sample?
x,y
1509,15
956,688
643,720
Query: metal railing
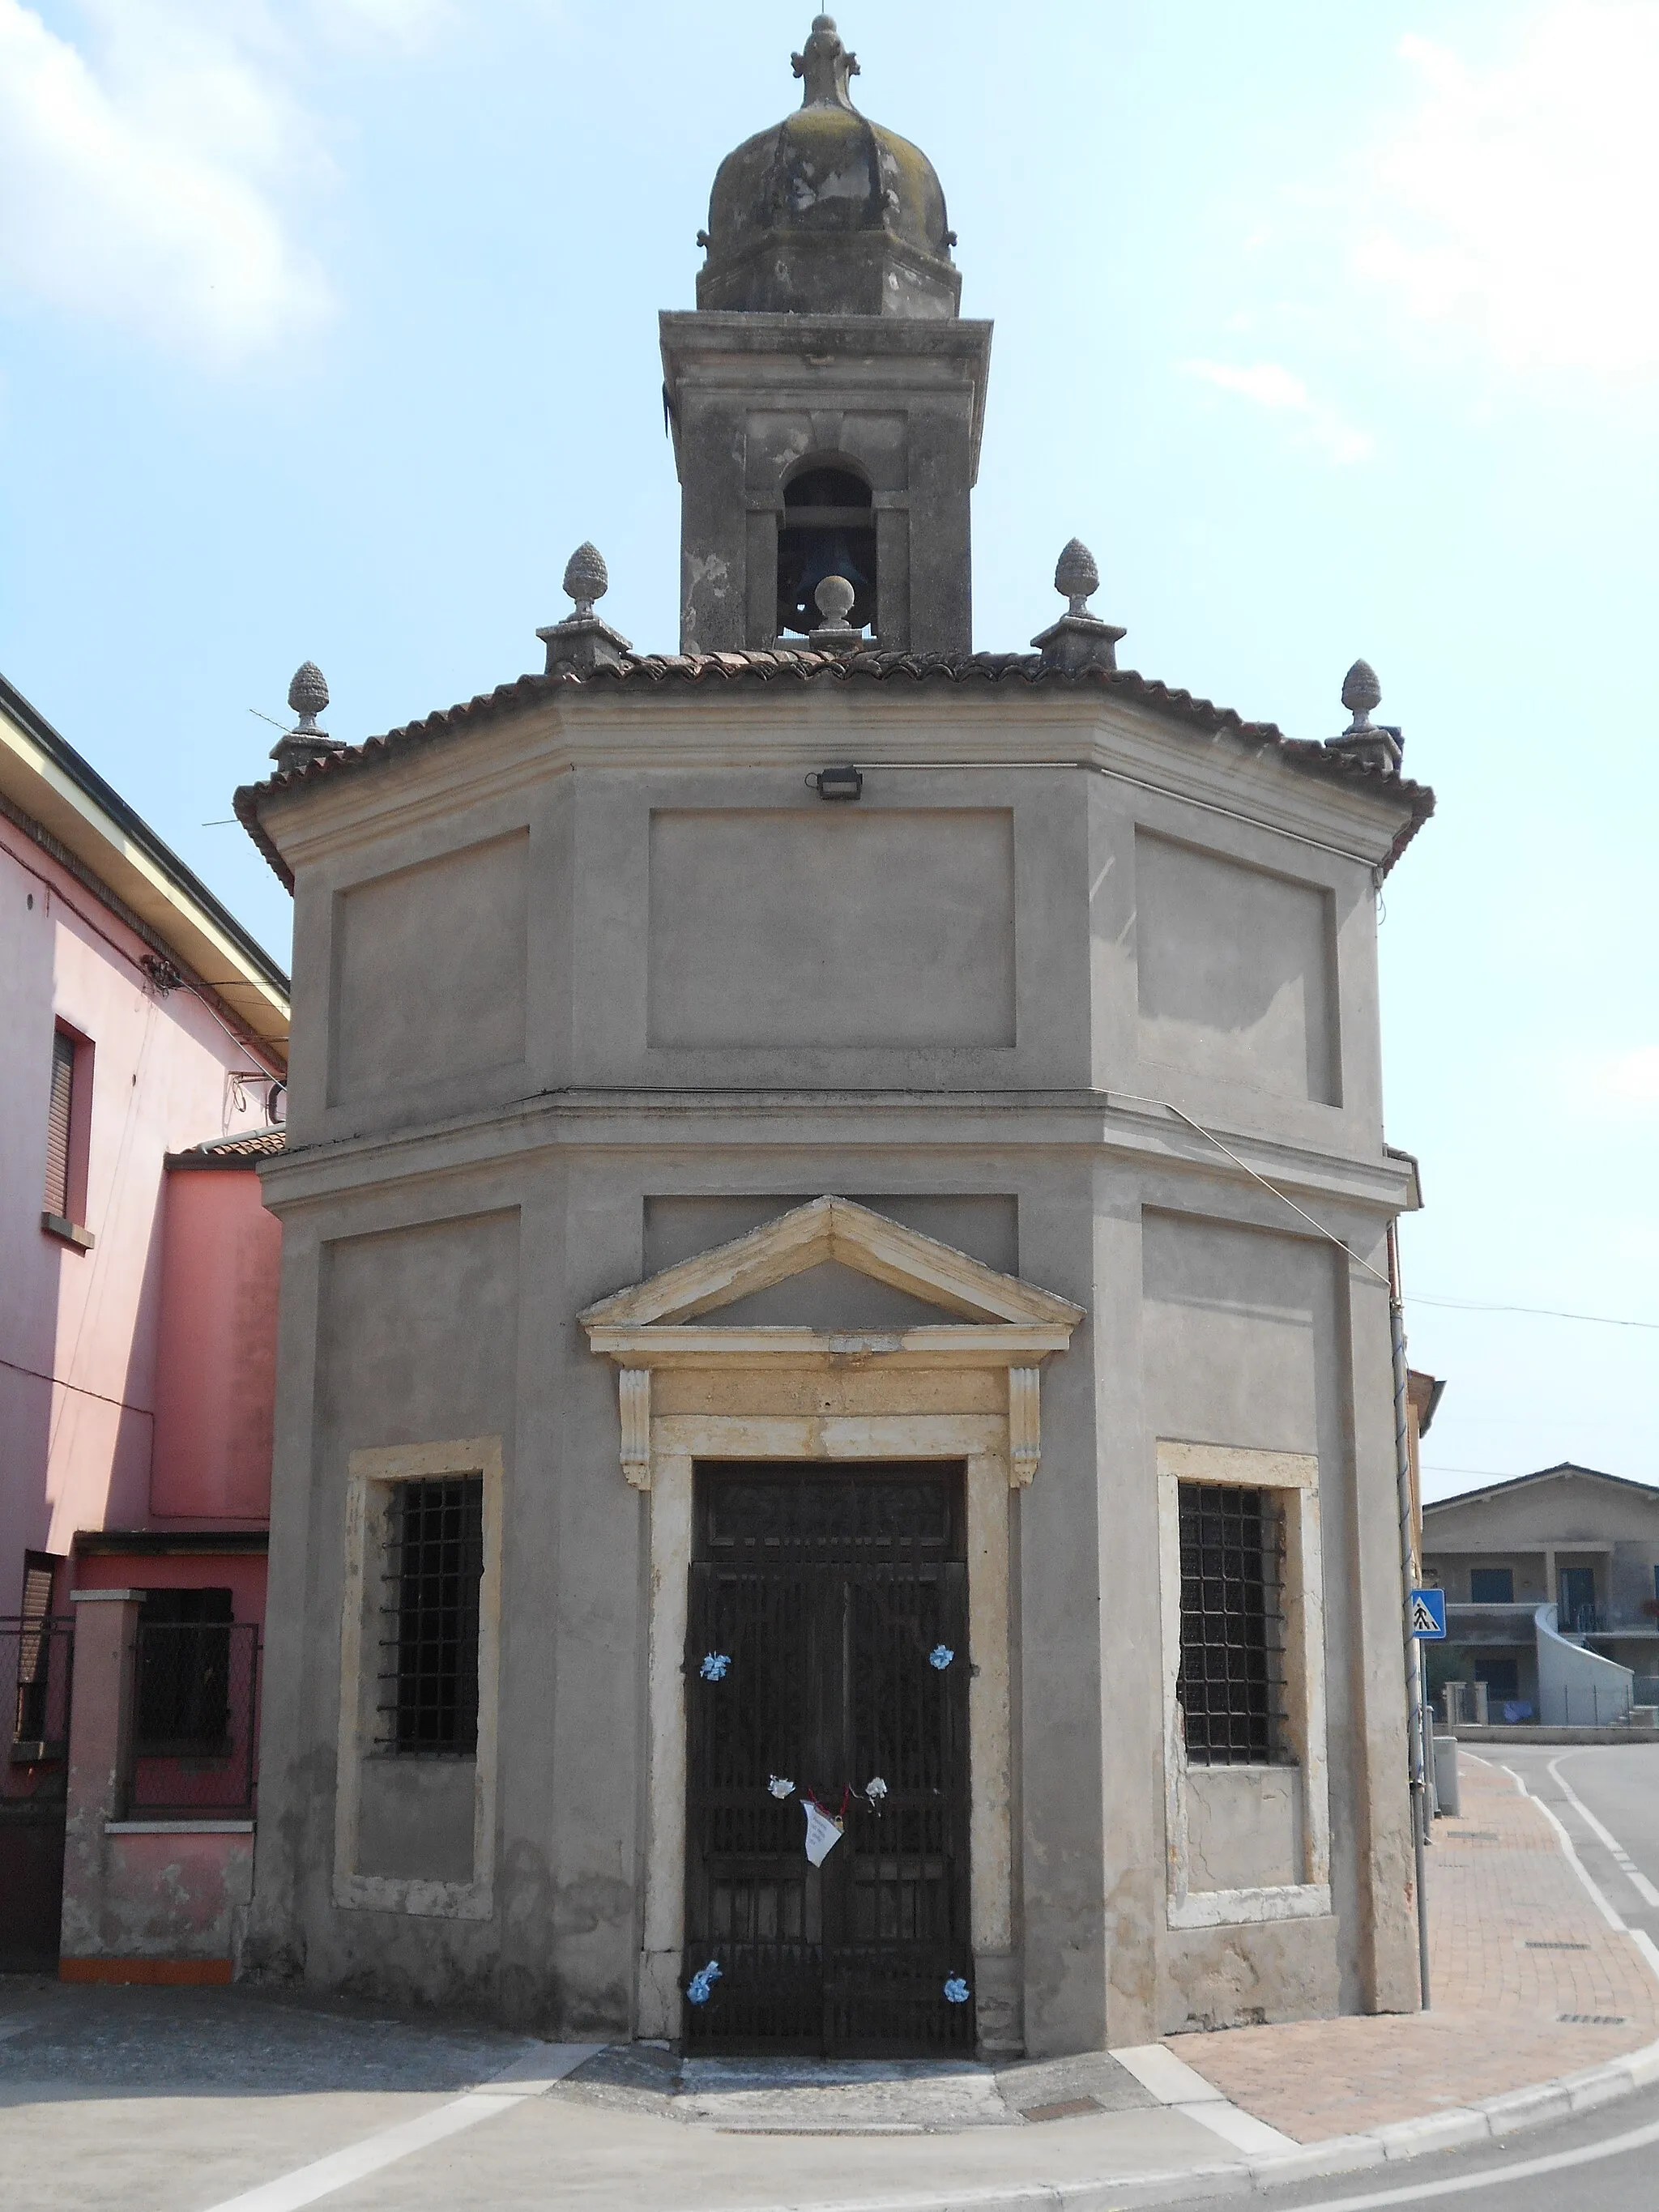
x,y
36,1677
195,1717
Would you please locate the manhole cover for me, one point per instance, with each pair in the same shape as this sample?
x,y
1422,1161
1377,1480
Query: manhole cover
x,y
1069,2108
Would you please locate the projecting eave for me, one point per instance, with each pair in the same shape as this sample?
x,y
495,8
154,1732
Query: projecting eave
x,y
795,711
51,790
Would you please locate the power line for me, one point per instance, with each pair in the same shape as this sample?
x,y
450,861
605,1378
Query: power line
x,y
1542,1313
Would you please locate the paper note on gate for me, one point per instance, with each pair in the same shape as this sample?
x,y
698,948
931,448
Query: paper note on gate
x,y
823,1833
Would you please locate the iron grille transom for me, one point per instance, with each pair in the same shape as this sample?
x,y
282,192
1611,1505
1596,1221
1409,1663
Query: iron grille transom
x,y
1232,1625
829,1591
429,1675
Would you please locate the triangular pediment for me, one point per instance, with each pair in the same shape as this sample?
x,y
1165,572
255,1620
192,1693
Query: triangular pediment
x,y
832,1231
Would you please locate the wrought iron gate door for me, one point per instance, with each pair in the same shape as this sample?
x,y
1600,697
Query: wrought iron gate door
x,y
838,1600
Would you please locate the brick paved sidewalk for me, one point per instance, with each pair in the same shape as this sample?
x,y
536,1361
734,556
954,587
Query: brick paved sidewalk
x,y
1519,1962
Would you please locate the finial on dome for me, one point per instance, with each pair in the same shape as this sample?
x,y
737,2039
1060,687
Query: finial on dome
x,y
833,601
583,641
825,66
1373,744
1079,640
307,695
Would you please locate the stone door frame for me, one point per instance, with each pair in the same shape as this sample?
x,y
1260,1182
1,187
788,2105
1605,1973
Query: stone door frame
x,y
966,1390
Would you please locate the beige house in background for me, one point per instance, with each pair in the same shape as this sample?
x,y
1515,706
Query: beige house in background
x,y
763,1346
1551,1583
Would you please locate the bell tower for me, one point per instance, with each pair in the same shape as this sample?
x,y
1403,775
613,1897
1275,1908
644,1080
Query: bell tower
x,y
826,398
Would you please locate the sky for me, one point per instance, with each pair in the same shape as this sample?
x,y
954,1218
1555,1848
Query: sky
x,y
327,331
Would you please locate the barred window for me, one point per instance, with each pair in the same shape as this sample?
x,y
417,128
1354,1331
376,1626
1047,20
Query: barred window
x,y
1233,1660
183,1669
430,1654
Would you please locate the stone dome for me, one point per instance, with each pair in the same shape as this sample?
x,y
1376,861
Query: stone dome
x,y
828,213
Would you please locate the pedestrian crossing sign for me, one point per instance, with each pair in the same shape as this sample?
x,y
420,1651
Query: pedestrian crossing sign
x,y
1428,1614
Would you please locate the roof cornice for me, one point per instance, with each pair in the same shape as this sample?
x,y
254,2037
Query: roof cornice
x,y
109,846
1089,718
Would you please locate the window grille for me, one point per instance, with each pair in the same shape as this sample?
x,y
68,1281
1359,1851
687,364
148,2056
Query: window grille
x,y
59,1115
1232,1625
183,1677
429,1679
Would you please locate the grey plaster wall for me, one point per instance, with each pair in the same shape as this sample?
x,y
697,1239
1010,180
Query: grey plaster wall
x,y
415,1817
415,1332
1245,1345
1237,969
430,976
831,928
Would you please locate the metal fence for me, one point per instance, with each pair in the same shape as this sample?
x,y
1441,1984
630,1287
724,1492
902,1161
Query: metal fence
x,y
36,1671
196,1717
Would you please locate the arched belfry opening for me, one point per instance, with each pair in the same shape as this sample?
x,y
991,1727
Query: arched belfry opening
x,y
826,397
828,528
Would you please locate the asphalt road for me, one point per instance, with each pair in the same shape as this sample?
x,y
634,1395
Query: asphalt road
x,y
1607,2161
1607,1800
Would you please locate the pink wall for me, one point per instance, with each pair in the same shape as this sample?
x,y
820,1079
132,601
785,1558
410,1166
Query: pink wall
x,y
242,1573
216,1376
79,1330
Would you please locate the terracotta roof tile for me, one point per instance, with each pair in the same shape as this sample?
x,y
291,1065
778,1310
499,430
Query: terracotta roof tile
x,y
246,1150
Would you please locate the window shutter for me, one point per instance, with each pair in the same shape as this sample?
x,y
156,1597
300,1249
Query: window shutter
x,y
58,1124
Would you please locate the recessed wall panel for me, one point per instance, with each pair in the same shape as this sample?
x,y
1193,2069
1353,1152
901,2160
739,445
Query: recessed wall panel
x,y
834,928
429,967
1236,971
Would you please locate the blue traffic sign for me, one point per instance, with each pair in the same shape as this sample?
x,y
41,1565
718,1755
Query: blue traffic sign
x,y
1428,1614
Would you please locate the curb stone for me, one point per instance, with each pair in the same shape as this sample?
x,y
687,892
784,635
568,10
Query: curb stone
x,y
1494,2119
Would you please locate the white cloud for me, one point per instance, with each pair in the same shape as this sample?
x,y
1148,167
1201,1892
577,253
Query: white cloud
x,y
1266,384
1622,1085
141,188
411,25
1518,201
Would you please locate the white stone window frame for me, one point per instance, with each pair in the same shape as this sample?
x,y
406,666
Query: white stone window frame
x,y
1292,1479
371,1475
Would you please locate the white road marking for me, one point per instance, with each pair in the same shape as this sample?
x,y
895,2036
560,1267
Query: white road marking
x,y
1627,1866
1180,2088
1496,2177
541,2066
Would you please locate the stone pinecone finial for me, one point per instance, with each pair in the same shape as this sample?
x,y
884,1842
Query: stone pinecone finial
x,y
583,641
1079,640
1360,692
586,577
1372,745
1077,578
307,695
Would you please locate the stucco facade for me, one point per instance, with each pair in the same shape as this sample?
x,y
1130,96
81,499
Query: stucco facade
x,y
598,995
146,1036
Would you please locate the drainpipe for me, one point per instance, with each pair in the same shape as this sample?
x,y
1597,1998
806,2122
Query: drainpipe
x,y
1402,1467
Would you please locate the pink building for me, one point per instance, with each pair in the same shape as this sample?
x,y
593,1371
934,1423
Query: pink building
x,y
145,1046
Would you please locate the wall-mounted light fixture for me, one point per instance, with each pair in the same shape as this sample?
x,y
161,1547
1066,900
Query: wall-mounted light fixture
x,y
837,782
